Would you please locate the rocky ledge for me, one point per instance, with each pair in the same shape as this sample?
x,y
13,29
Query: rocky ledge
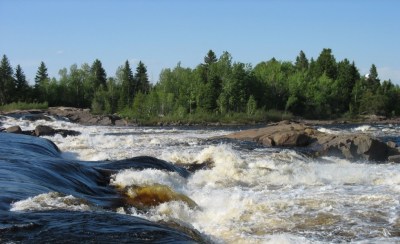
x,y
41,130
75,115
350,146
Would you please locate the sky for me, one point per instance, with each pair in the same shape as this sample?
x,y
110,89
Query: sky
x,y
161,33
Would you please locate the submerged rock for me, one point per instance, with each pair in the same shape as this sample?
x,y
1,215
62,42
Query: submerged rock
x,y
144,197
291,134
42,130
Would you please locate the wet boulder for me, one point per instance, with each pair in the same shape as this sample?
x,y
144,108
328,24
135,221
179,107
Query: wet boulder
x,y
144,197
44,130
356,146
14,129
291,139
284,134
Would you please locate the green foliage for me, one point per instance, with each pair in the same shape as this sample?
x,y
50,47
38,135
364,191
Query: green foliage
x,y
98,74
22,89
301,62
23,106
142,84
125,77
7,82
41,83
217,90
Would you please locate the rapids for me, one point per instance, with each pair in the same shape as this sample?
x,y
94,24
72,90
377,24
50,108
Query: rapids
x,y
252,194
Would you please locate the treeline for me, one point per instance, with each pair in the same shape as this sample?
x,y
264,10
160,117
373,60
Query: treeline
x,y
218,87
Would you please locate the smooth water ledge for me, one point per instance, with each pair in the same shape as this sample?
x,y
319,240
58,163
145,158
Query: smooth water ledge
x,y
31,167
93,227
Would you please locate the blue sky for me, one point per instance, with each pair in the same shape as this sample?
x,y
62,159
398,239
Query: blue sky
x,y
163,32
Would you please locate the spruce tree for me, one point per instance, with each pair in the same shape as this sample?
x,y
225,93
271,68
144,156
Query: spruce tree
x,y
41,82
142,83
22,86
7,82
127,86
301,62
98,74
41,74
373,81
210,58
326,63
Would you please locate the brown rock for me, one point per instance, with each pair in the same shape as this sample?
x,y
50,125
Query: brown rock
x,y
121,122
391,144
44,130
291,139
352,147
14,129
394,159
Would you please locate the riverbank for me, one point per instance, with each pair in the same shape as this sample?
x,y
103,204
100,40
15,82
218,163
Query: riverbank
x,y
85,117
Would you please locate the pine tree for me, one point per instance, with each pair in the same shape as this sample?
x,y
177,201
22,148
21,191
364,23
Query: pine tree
x,y
326,63
98,74
127,86
301,62
22,86
7,82
41,74
373,81
142,83
210,58
41,83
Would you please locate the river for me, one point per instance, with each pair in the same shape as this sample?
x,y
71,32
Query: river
x,y
252,194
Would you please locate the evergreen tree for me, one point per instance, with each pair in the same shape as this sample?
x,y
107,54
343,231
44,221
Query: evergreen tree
x,y
22,87
347,76
142,83
301,62
127,86
210,58
41,83
7,82
326,63
373,81
99,75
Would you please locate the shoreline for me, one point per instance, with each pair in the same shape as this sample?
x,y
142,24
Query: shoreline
x,y
85,117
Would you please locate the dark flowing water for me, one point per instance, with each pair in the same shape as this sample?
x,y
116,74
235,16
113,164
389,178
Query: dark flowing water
x,y
73,201
251,195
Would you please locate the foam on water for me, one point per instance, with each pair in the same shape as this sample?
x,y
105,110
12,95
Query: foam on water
x,y
252,195
147,177
247,199
51,201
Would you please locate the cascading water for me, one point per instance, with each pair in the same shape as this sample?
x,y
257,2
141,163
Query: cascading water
x,y
248,194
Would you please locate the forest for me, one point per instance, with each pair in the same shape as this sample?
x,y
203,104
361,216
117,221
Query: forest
x,y
216,89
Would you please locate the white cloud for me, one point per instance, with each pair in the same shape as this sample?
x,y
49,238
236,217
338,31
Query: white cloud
x,y
59,52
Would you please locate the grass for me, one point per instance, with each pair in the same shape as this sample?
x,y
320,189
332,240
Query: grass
x,y
23,106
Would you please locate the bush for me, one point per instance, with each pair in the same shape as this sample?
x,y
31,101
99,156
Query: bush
x,y
23,106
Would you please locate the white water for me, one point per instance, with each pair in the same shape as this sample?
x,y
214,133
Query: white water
x,y
257,195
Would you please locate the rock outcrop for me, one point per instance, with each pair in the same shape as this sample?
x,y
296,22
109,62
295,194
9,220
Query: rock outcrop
x,y
75,115
349,146
42,130
84,117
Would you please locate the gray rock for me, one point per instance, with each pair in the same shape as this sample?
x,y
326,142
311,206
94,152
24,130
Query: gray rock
x,y
289,134
394,159
391,144
14,129
44,130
